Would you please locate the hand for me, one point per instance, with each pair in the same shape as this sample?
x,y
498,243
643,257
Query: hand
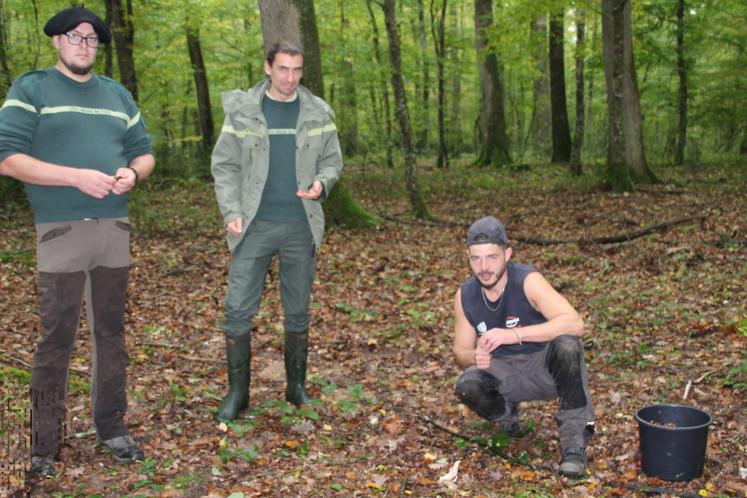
x,y
125,180
494,338
235,227
482,358
313,193
94,183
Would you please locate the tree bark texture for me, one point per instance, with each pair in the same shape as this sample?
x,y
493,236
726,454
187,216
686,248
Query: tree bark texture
x,y
425,81
438,25
454,130
384,86
417,202
491,123
683,90
578,141
561,132
617,34
540,128
5,78
349,109
108,51
204,109
123,32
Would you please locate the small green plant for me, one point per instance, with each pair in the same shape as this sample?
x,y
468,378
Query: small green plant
x,y
736,378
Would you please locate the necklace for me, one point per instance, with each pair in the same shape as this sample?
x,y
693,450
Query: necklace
x,y
485,299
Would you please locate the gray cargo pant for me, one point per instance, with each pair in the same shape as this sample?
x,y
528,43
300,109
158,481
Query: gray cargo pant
x,y
556,371
293,243
74,257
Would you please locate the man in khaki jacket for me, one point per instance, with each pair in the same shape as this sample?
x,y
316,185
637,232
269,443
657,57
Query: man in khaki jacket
x,y
277,158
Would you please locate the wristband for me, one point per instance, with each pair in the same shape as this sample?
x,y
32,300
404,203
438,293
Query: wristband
x,y
137,177
518,337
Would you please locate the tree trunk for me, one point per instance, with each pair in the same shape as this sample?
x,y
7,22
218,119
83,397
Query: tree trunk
x,y
561,132
123,32
592,73
295,21
454,130
682,73
419,207
438,25
108,52
204,110
578,141
540,128
384,87
491,124
618,170
620,72
425,87
349,107
5,79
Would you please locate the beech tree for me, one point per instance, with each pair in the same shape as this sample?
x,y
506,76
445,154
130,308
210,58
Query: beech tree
x,y
491,123
626,161
417,201
561,132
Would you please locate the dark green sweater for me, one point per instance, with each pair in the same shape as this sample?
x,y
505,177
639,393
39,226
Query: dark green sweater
x,y
93,125
279,200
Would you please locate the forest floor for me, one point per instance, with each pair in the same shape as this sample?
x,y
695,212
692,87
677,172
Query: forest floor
x,y
665,319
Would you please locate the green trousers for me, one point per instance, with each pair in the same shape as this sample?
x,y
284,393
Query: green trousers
x,y
294,245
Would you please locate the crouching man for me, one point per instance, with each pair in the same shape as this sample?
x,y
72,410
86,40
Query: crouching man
x,y
518,340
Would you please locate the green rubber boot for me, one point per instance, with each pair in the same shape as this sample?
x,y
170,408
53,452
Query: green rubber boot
x,y
296,350
239,355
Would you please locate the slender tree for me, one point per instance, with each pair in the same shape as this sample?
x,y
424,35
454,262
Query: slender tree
x,y
384,86
438,25
540,128
425,86
561,132
349,107
491,123
5,77
204,109
417,201
123,32
682,93
626,161
454,128
578,140
295,20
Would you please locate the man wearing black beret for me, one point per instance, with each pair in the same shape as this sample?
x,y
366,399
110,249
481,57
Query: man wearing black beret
x,y
78,143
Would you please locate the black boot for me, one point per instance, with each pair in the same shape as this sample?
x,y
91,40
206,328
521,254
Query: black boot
x,y
238,354
296,350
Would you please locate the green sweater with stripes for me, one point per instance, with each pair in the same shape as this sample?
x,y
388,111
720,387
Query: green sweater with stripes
x,y
94,125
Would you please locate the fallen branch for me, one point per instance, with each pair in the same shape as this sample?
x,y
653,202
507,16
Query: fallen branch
x,y
479,441
613,239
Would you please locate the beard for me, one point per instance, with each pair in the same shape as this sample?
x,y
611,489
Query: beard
x,y
492,283
77,68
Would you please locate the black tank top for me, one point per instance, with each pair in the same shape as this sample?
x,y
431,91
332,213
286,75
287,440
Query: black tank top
x,y
514,309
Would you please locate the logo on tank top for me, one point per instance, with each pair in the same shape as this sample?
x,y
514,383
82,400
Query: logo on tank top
x,y
512,322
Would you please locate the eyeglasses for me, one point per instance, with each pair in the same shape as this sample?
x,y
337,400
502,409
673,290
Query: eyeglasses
x,y
76,39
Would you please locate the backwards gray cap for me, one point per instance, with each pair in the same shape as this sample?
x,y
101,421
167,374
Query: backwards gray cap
x,y
487,230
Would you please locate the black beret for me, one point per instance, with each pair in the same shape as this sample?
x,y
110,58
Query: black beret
x,y
68,19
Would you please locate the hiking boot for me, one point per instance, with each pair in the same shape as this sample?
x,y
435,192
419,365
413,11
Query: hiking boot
x,y
573,463
43,465
124,449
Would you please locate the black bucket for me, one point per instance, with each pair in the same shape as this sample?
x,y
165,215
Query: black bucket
x,y
673,441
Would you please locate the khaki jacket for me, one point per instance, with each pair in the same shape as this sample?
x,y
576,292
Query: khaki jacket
x,y
241,157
